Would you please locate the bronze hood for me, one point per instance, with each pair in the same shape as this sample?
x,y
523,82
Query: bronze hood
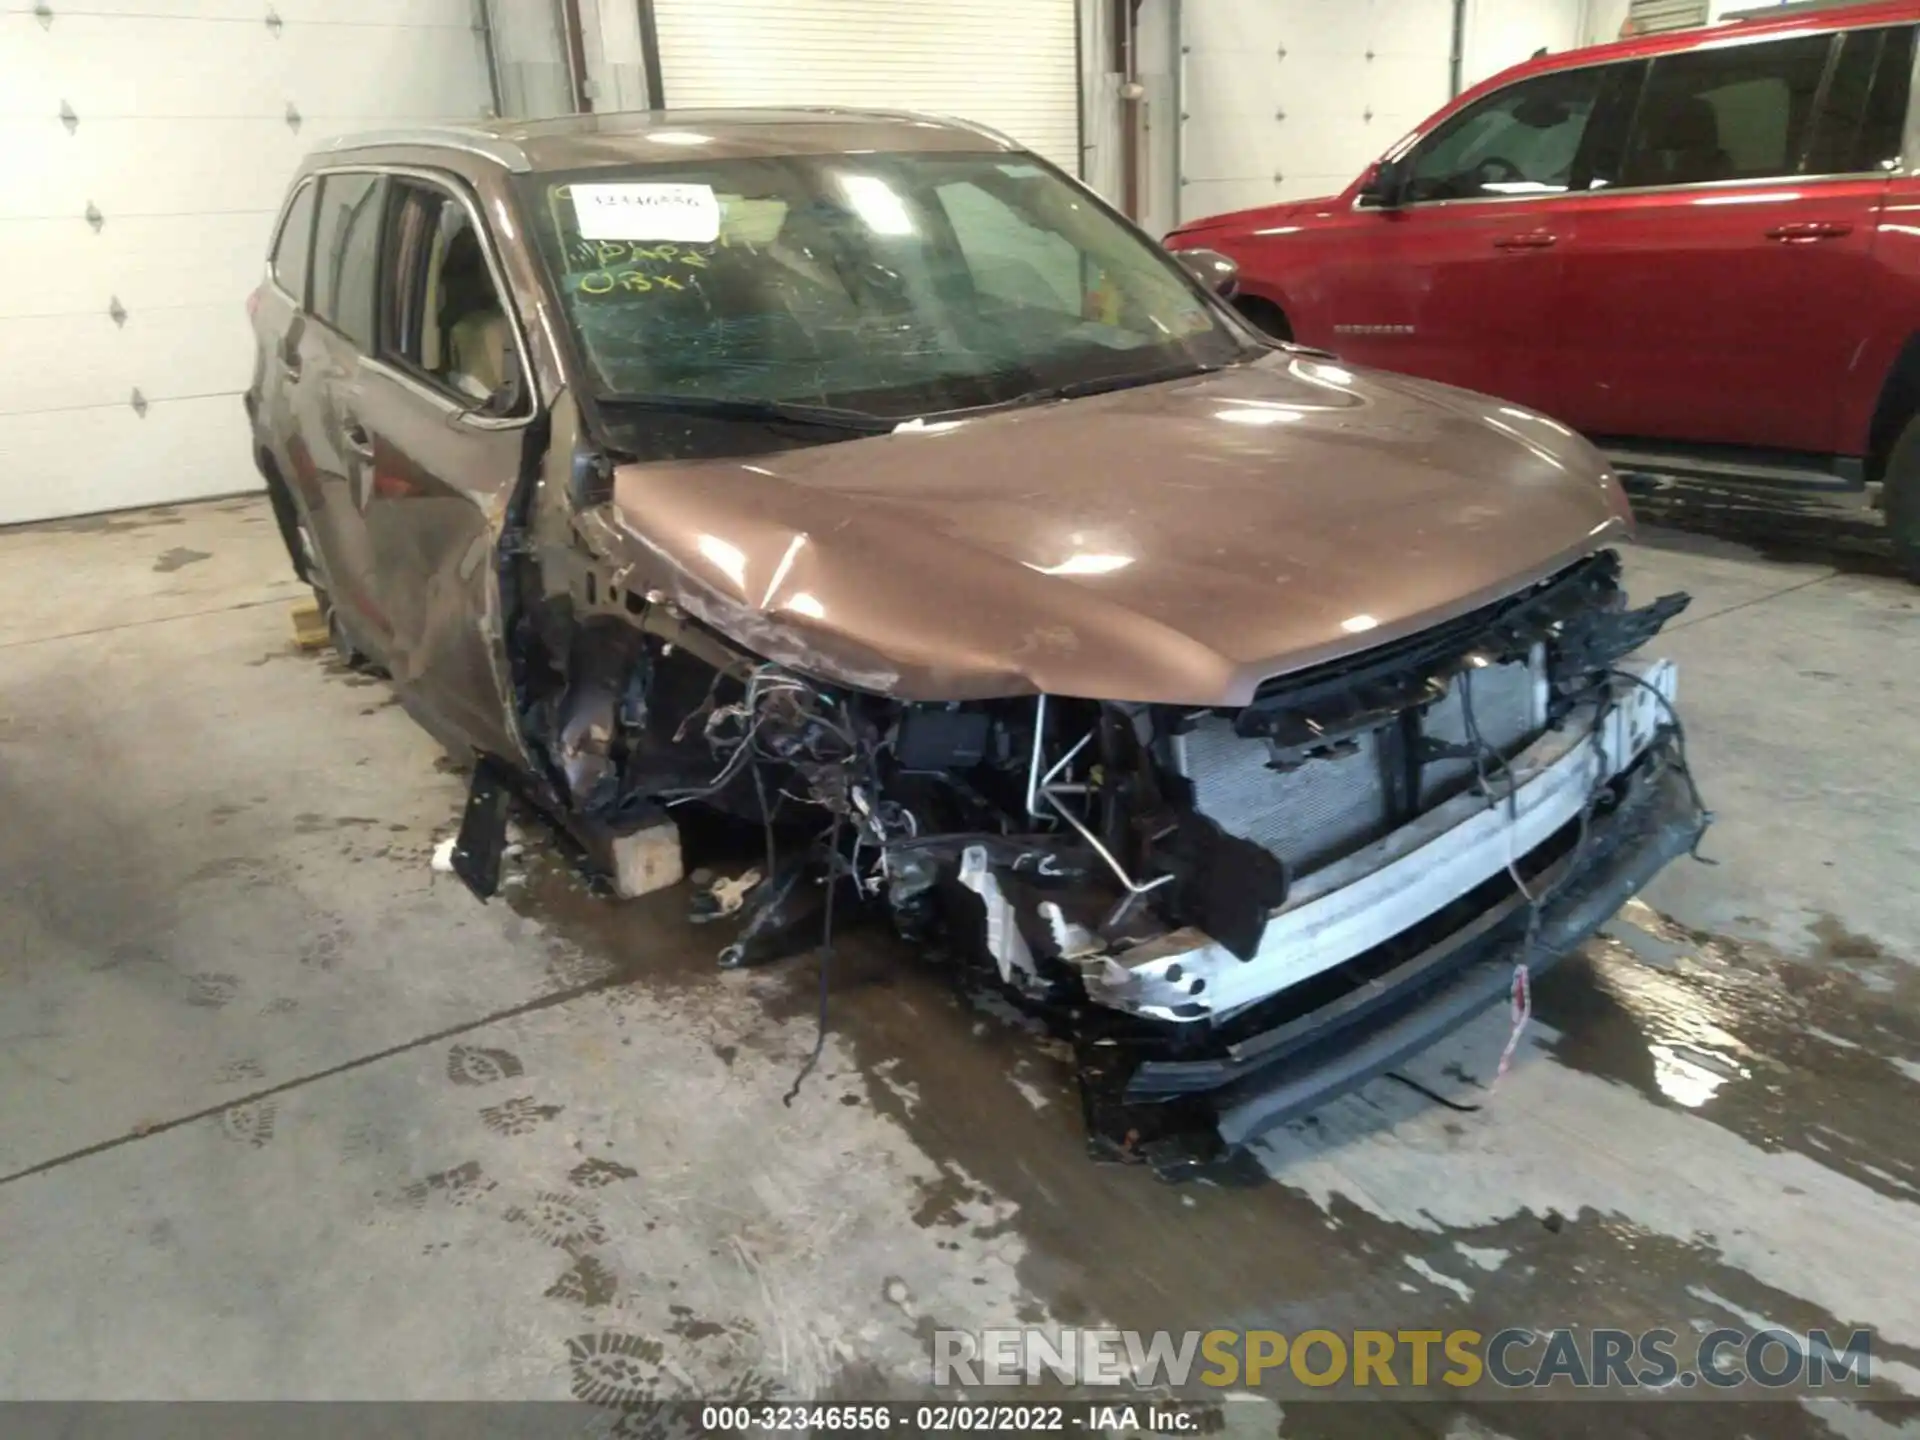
x,y
1176,543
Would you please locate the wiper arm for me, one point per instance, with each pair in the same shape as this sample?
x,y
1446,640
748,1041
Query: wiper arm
x,y
1102,384
830,417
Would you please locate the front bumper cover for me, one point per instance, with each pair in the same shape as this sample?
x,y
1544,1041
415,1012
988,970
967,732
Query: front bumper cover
x,y
1179,1113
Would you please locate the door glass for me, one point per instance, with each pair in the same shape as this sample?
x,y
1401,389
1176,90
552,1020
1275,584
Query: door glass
x,y
1742,112
296,240
1883,133
1521,141
445,321
345,244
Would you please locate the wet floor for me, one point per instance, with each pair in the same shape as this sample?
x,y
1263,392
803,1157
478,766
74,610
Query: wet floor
x,y
285,1113
1811,1055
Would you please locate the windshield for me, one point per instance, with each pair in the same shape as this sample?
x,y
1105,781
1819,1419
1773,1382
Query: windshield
x,y
890,284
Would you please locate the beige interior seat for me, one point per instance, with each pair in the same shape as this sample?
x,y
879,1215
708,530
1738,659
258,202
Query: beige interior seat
x,y
472,337
478,342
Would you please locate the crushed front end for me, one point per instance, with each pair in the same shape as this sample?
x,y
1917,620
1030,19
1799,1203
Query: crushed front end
x,y
1234,914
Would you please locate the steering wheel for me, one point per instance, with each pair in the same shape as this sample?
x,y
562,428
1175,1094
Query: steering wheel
x,y
1497,170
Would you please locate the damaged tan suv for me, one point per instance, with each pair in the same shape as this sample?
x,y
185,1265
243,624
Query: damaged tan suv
x,y
1250,718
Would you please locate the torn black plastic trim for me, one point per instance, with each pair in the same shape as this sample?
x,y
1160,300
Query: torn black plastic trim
x,y
1311,709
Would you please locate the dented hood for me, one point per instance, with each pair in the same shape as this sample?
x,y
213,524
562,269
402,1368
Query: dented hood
x,y
1176,543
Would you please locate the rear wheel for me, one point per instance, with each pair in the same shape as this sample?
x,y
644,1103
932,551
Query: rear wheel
x,y
1267,315
1902,481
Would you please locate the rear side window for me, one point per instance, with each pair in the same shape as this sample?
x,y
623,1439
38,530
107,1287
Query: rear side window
x,y
1742,112
1864,110
290,251
1521,141
346,245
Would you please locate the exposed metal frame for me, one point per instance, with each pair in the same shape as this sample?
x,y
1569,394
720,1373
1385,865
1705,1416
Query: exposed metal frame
x,y
1177,21
483,9
650,55
1457,59
573,45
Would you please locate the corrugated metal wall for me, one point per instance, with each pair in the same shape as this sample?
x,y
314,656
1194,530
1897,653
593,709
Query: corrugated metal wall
x,y
1010,64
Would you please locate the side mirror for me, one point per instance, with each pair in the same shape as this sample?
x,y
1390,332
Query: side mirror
x,y
1213,270
1386,187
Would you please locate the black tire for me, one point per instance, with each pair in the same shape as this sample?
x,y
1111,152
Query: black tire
x,y
1901,482
1265,314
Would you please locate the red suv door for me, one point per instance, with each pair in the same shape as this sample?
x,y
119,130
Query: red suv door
x,y
1457,281
1714,279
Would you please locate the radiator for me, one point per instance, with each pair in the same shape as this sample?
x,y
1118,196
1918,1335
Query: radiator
x,y
1307,816
1314,814
1503,711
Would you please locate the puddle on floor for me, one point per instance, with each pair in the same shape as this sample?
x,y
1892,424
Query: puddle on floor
x,y
1811,1054
1785,1053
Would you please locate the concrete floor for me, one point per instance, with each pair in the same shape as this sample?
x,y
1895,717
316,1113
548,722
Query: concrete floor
x,y
283,1113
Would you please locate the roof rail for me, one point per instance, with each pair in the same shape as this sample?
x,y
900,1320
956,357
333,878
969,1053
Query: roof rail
x,y
959,122
446,137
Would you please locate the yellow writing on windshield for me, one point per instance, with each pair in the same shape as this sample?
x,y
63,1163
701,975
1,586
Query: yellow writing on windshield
x,y
634,267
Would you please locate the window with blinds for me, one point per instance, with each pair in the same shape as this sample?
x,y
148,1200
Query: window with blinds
x,y
1649,16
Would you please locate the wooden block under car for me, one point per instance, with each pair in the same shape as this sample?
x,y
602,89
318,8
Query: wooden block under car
x,y
309,626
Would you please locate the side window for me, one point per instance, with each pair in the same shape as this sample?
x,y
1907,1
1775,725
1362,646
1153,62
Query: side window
x,y
1520,141
1009,257
1883,133
1864,107
345,244
1742,112
295,243
444,320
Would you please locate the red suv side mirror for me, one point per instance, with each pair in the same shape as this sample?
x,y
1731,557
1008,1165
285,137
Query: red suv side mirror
x,y
1386,185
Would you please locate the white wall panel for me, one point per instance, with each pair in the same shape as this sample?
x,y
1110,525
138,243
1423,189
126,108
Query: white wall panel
x,y
1505,32
182,144
71,362
1010,64
154,261
68,462
1285,99
1289,98
379,14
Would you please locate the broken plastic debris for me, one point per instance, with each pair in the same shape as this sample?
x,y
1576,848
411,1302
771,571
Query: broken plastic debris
x,y
724,896
443,855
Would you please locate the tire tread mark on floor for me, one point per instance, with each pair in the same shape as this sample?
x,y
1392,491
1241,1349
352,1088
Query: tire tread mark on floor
x,y
1690,622
147,1130
292,597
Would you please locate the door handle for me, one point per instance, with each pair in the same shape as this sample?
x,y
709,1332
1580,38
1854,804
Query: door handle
x,y
1806,230
1532,240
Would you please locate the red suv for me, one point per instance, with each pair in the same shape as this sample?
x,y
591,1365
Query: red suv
x,y
1700,249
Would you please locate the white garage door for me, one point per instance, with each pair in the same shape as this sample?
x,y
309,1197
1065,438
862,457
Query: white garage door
x,y
1292,98
144,149
1009,64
